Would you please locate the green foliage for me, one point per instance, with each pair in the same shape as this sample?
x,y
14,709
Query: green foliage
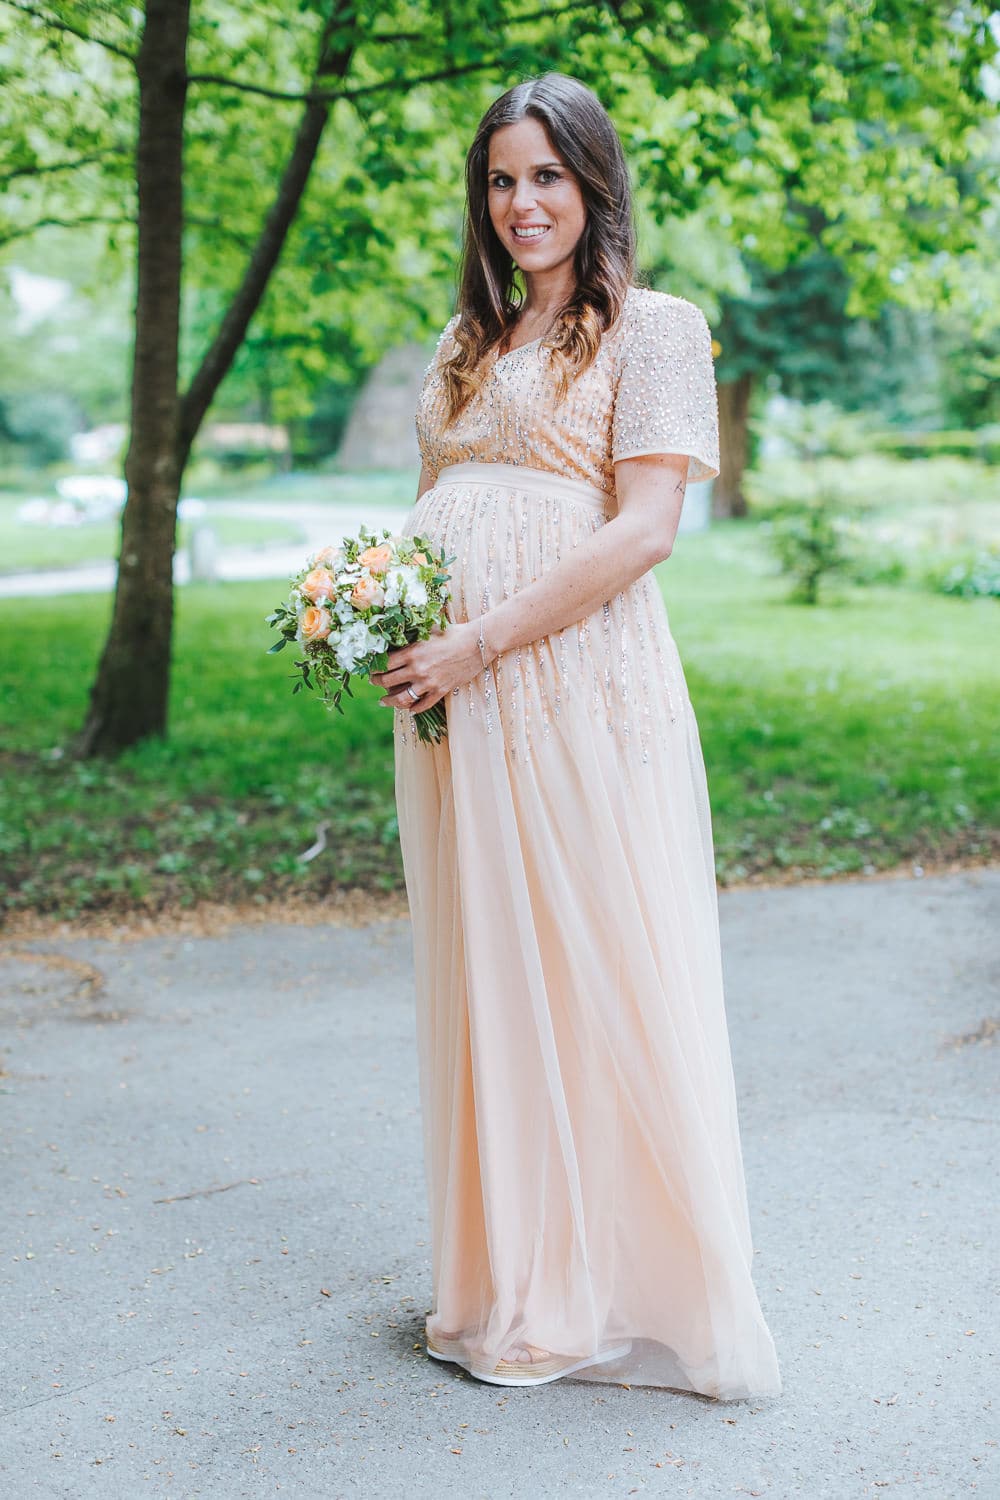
x,y
973,577
68,360
817,430
35,429
788,322
796,129
912,523
809,540
982,444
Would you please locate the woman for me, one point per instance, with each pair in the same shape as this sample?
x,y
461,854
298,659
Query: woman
x,y
581,1143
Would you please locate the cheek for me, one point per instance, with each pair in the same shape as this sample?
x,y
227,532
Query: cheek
x,y
570,210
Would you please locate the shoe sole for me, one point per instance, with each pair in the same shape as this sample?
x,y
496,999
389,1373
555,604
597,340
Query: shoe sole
x,y
442,1348
508,1372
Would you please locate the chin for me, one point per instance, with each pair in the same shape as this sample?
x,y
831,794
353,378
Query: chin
x,y
537,262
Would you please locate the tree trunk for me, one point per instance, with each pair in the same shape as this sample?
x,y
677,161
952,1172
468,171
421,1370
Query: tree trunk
x,y
130,694
128,700
728,498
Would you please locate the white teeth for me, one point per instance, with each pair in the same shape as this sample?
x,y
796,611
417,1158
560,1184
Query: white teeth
x,y
531,234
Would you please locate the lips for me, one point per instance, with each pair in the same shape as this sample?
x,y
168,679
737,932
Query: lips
x,y
528,232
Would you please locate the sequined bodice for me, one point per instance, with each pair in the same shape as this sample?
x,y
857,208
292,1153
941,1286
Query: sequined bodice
x,y
651,389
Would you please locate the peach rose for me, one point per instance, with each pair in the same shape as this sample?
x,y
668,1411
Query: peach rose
x,y
318,584
324,558
420,557
376,559
315,623
367,592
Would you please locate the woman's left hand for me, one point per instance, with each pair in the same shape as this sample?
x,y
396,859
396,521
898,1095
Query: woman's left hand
x,y
447,659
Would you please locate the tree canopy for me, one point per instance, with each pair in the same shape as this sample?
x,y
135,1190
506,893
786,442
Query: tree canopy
x,y
289,184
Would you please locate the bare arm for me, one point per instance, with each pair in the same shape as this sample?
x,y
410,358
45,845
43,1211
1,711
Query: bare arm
x,y
650,495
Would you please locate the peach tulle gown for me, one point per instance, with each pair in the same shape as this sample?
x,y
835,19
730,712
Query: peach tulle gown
x,y
581,1140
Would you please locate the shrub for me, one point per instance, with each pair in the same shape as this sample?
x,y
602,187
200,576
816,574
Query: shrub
x,y
974,577
810,539
982,443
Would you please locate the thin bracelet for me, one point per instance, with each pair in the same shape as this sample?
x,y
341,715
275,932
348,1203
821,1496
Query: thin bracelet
x,y
482,642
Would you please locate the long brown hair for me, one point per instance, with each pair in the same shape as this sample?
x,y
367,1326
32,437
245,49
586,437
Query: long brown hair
x,y
489,298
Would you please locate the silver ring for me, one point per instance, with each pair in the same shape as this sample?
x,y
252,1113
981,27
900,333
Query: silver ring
x,y
412,694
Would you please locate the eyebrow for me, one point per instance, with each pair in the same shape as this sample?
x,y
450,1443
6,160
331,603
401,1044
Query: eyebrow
x,y
537,167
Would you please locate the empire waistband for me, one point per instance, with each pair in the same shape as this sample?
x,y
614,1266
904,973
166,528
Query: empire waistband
x,y
520,477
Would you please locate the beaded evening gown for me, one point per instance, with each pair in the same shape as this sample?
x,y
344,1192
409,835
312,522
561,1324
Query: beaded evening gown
x,y
581,1141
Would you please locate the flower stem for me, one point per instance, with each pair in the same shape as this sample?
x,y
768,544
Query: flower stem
x,y
432,723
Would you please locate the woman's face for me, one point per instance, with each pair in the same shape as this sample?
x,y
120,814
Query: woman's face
x,y
531,188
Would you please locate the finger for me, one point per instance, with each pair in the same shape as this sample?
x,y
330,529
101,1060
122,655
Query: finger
x,y
394,664
400,698
397,677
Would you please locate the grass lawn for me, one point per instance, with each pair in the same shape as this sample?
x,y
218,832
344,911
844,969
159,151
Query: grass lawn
x,y
847,737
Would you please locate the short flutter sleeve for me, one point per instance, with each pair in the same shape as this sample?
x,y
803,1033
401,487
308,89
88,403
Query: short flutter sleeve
x,y
666,399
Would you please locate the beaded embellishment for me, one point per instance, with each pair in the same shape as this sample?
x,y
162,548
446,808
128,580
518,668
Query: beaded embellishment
x,y
651,389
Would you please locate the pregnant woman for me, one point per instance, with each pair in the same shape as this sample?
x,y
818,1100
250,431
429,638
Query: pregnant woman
x,y
581,1140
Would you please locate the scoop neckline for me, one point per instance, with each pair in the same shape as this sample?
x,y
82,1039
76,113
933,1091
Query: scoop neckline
x,y
520,348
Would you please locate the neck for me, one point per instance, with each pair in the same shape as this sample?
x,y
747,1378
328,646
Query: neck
x,y
547,291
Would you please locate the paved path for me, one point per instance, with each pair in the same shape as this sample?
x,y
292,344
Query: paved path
x,y
214,1253
320,524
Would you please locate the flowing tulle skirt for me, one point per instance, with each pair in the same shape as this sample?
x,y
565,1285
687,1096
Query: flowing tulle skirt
x,y
581,1141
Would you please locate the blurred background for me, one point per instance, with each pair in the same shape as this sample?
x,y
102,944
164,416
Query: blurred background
x,y
228,241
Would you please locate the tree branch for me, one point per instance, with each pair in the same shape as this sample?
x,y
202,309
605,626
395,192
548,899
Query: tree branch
x,y
327,97
220,80
26,9
405,84
232,330
43,168
288,96
6,238
197,221
547,14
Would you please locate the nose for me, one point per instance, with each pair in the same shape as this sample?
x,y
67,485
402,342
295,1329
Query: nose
x,y
524,197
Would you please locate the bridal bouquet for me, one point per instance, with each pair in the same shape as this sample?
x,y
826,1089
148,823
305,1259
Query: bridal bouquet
x,y
350,605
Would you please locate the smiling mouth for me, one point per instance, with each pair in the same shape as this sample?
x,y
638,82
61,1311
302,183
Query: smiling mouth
x,y
533,232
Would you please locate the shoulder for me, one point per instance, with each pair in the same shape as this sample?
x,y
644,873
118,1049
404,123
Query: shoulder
x,y
660,329
445,336
661,312
442,348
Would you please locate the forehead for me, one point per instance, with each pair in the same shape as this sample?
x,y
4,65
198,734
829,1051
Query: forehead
x,y
526,142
